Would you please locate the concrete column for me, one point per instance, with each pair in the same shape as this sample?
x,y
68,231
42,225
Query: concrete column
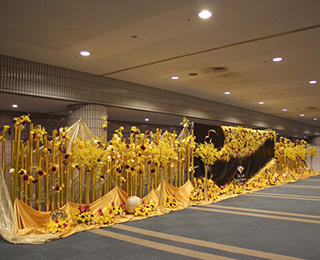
x,y
91,115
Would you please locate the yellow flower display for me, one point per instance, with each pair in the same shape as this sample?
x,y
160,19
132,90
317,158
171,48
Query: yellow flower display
x,y
241,141
108,216
84,215
170,201
144,209
207,153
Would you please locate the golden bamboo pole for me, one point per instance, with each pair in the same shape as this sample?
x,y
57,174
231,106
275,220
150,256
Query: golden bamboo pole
x,y
86,188
80,185
72,174
179,167
188,160
67,173
27,165
31,168
136,177
60,173
192,165
3,156
22,166
16,167
148,172
108,177
38,184
53,177
93,183
206,169
46,169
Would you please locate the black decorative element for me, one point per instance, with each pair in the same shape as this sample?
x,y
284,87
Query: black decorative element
x,y
222,171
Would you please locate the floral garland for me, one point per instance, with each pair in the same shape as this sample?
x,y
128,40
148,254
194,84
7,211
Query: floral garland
x,y
84,215
108,216
198,192
170,201
241,142
57,225
144,209
58,222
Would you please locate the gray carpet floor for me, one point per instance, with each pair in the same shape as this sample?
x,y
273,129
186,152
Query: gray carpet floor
x,y
280,222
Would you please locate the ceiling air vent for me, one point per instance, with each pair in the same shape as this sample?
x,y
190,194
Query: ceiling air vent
x,y
217,69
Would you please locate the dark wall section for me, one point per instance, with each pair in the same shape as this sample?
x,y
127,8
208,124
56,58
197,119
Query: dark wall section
x,y
222,171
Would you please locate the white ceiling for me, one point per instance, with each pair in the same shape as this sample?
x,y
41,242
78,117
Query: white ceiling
x,y
148,41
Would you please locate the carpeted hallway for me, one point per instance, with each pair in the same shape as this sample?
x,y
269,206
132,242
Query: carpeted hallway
x,y
280,222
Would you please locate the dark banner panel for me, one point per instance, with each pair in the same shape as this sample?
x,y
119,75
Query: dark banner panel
x,y
241,168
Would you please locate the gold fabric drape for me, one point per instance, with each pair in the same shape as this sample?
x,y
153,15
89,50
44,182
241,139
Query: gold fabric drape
x,y
31,222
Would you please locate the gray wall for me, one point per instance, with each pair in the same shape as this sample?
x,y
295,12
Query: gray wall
x,y
40,80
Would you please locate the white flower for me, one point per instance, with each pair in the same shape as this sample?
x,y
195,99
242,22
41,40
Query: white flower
x,y
11,170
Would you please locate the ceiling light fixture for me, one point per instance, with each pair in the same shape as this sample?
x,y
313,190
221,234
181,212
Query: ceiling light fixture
x,y
227,93
146,119
301,114
14,105
315,119
261,103
284,110
277,59
312,82
205,14
175,77
85,53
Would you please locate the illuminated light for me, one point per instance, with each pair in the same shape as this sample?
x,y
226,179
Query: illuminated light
x,y
227,93
301,114
315,119
261,103
15,105
277,59
181,123
295,135
312,82
205,14
146,119
85,53
284,110
175,77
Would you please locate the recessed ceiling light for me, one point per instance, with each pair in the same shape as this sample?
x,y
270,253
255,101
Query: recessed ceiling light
x,y
85,53
295,135
284,109
277,59
146,119
301,114
261,103
15,105
227,93
315,119
175,77
313,82
181,123
205,14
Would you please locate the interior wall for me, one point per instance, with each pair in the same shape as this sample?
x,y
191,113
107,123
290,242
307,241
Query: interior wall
x,y
40,80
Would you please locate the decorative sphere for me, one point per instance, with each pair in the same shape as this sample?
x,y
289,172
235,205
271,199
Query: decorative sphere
x,y
131,203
